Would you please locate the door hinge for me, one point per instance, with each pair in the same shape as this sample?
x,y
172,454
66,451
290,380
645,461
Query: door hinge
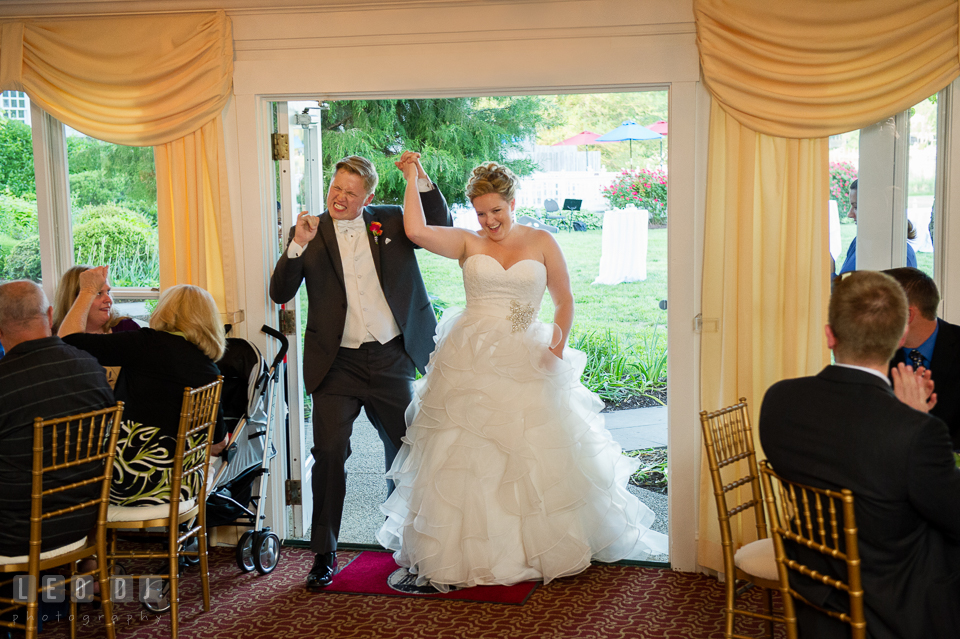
x,y
281,146
294,498
288,322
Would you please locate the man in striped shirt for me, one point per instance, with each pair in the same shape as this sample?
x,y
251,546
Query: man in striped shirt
x,y
40,376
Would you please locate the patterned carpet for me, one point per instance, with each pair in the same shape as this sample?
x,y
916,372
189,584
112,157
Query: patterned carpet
x,y
605,601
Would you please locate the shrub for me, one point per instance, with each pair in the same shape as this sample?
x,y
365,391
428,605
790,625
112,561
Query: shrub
x,y
23,262
645,188
94,187
841,175
113,212
18,217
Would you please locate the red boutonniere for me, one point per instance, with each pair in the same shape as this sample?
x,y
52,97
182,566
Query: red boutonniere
x,y
376,230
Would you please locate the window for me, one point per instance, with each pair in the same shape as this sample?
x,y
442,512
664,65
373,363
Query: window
x,y
19,234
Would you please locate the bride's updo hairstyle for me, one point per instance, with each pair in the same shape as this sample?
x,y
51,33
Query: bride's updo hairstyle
x,y
491,177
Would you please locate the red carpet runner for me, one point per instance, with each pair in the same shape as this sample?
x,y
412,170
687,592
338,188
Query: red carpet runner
x,y
376,573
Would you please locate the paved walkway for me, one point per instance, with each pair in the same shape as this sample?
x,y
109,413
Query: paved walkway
x,y
366,488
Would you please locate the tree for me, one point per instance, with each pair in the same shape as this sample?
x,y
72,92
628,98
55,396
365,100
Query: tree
x,y
16,159
453,134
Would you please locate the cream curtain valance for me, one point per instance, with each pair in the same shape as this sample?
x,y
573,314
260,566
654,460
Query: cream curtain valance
x,y
819,67
132,80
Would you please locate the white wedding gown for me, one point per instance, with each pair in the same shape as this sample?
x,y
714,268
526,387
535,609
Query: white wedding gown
x,y
507,473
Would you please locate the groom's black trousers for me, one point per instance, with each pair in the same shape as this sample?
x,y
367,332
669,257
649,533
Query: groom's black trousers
x,y
377,377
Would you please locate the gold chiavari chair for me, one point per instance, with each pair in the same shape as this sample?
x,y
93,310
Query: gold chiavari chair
x,y
198,417
728,439
80,447
823,521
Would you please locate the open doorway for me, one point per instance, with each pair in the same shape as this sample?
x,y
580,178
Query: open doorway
x,y
621,318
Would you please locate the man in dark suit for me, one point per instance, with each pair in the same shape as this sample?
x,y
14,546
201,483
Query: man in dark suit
x,y
846,428
369,324
931,343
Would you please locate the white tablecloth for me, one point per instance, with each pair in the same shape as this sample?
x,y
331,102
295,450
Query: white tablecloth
x,y
623,247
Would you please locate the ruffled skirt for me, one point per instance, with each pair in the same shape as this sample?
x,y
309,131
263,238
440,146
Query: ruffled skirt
x,y
507,472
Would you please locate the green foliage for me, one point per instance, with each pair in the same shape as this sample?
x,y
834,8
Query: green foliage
x,y
616,373
645,188
102,173
104,240
453,135
18,217
123,239
652,473
841,175
23,261
16,159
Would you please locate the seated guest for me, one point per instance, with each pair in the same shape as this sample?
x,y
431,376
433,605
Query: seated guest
x,y
931,343
103,317
179,349
40,376
846,428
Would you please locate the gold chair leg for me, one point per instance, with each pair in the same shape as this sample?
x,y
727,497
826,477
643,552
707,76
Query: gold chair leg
x,y
768,603
204,565
174,569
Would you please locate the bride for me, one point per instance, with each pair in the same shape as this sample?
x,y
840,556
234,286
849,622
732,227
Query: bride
x,y
506,472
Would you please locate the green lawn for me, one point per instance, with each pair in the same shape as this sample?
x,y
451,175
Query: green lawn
x,y
630,310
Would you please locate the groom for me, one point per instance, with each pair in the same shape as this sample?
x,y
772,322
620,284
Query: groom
x,y
369,324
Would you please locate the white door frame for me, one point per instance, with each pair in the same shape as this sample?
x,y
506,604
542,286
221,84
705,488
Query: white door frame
x,y
688,122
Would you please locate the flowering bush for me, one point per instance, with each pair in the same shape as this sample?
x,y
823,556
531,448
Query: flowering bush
x,y
645,188
841,175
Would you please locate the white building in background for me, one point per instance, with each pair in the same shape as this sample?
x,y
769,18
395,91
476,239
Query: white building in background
x,y
566,173
15,106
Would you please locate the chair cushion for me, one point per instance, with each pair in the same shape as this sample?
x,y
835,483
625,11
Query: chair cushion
x,y
758,559
143,513
62,550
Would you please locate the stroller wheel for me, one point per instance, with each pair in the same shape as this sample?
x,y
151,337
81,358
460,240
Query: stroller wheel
x,y
267,553
245,551
158,601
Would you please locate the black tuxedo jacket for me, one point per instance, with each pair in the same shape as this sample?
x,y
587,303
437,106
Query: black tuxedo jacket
x,y
393,254
945,370
845,428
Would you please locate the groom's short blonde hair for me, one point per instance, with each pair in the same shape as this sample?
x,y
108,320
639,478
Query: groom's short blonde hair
x,y
363,167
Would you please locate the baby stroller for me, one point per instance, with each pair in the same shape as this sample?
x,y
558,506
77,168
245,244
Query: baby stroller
x,y
250,394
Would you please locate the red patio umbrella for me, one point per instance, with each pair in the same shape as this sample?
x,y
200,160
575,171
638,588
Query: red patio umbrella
x,y
584,137
660,126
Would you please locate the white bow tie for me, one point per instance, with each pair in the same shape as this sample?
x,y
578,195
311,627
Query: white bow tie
x,y
356,224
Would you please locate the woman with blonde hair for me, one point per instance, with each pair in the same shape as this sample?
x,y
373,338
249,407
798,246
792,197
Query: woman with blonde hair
x,y
103,316
507,472
179,349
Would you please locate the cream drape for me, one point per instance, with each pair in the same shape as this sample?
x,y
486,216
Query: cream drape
x,y
767,228
819,67
158,81
783,76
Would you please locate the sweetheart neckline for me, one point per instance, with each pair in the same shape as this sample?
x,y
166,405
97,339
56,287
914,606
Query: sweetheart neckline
x,y
505,270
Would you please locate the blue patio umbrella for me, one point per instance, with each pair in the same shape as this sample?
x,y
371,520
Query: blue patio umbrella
x,y
631,131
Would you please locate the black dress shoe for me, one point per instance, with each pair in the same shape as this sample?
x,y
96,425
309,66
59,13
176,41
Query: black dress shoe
x,y
324,567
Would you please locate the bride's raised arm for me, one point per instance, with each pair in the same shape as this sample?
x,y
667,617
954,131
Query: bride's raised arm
x,y
558,282
442,240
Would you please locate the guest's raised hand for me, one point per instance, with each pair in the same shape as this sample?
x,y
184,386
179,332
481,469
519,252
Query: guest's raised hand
x,y
306,228
94,279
